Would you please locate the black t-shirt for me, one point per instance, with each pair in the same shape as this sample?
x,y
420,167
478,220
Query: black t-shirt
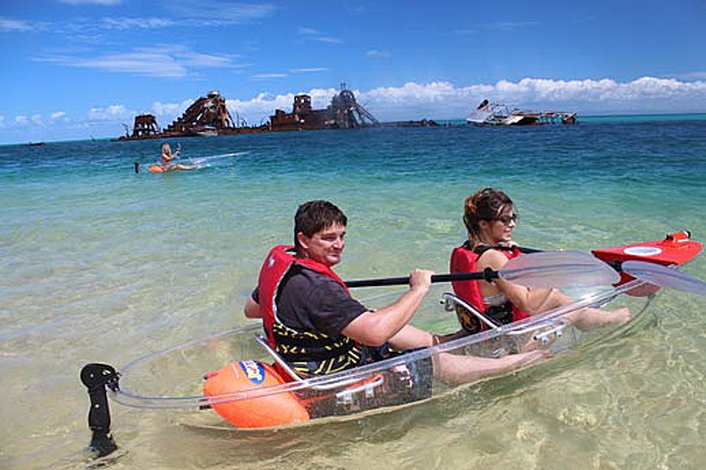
x,y
310,301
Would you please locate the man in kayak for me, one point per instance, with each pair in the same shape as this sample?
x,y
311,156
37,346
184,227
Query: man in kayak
x,y
490,218
312,321
167,156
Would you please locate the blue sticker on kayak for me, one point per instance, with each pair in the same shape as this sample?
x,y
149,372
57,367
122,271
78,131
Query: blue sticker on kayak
x,y
253,371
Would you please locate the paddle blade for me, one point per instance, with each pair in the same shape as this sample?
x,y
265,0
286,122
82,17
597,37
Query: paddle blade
x,y
664,276
558,269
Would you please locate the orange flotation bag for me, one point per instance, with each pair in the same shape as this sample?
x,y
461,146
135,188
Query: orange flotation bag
x,y
271,410
157,169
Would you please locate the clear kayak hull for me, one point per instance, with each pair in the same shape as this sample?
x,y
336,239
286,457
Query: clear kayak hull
x,y
235,379
264,397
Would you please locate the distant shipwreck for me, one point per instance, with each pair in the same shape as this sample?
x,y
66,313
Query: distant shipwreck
x,y
495,114
209,116
205,117
344,112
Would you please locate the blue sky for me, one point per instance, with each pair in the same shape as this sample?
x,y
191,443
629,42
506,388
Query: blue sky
x,y
75,69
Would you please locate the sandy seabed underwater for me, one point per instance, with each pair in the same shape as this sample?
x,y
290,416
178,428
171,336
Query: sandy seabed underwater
x,y
101,264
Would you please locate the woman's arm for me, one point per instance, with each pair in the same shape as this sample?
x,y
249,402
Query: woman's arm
x,y
530,300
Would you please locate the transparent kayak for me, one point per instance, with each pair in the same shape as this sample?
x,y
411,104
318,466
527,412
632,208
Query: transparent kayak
x,y
252,392
235,380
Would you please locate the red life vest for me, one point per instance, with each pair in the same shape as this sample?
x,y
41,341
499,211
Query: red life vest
x,y
463,259
276,265
306,352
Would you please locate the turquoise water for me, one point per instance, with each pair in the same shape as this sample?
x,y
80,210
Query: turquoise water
x,y
101,264
633,118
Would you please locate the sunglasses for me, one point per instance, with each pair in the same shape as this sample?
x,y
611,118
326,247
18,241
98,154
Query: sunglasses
x,y
506,219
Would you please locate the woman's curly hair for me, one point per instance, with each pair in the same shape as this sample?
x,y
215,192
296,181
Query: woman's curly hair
x,y
485,204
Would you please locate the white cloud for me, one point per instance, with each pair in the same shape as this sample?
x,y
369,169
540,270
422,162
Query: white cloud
x,y
307,31
140,62
197,59
605,90
320,97
8,25
173,62
109,113
266,76
215,12
378,53
311,34
168,112
184,14
84,28
443,100
309,70
137,23
411,91
58,115
328,39
167,109
21,120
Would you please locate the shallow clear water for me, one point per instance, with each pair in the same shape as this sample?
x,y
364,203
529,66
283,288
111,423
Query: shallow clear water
x,y
101,264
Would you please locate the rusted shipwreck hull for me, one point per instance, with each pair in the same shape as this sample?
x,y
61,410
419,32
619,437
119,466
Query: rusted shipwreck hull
x,y
207,116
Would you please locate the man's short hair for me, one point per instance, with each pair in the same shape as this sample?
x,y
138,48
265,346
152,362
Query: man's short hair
x,y
315,216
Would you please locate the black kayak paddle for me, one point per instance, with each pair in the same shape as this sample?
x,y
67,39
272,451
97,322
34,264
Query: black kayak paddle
x,y
544,269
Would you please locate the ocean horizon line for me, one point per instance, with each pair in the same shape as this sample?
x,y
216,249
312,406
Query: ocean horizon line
x,y
461,122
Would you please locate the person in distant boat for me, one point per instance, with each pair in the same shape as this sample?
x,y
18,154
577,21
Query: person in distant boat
x,y
167,157
490,217
315,325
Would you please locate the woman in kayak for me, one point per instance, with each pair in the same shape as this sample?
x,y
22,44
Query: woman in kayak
x,y
167,156
490,218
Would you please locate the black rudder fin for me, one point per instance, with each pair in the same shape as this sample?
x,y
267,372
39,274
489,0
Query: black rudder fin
x,y
96,377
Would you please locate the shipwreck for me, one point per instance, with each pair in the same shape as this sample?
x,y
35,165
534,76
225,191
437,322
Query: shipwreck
x,y
496,114
209,116
344,112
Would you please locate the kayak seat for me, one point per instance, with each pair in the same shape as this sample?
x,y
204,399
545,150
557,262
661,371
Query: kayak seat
x,y
469,316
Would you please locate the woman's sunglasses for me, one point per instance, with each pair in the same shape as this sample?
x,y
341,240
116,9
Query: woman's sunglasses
x,y
506,219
